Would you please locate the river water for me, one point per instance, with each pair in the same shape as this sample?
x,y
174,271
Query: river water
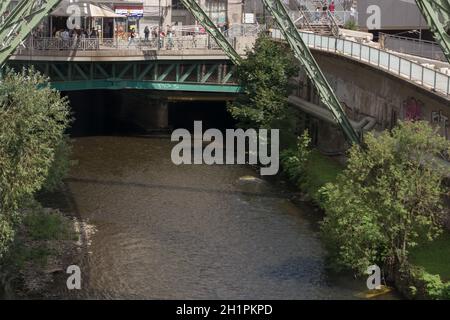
x,y
193,232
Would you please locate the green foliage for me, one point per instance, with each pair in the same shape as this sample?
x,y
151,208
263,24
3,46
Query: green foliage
x,y
60,166
426,285
434,256
387,199
351,25
48,226
308,169
320,171
294,160
22,255
264,77
33,118
41,236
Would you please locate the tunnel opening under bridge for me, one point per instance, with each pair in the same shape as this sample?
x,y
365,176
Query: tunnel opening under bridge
x,y
145,112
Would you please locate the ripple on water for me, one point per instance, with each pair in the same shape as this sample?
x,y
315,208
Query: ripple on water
x,y
191,232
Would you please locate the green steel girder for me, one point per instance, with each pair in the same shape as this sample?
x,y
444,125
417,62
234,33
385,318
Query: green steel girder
x,y
18,25
213,31
4,5
437,15
301,52
143,85
217,76
304,55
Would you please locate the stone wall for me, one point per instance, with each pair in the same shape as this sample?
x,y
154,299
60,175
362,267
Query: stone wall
x,y
366,91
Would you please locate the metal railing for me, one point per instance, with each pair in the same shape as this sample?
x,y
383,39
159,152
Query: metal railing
x,y
89,44
394,64
341,17
421,48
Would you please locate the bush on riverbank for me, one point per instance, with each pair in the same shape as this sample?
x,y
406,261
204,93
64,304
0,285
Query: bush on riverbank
x,y
33,119
415,283
307,169
42,240
388,200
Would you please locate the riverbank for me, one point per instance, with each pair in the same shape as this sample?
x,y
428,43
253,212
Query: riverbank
x,y
50,238
428,275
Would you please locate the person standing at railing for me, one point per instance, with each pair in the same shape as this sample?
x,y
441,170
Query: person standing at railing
x,y
170,39
324,10
317,14
146,33
132,36
65,38
332,7
162,35
353,14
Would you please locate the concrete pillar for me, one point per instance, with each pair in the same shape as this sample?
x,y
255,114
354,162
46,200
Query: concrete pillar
x,y
235,12
330,138
141,110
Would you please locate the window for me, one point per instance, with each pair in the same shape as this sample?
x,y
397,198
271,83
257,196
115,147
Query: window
x,y
177,4
217,11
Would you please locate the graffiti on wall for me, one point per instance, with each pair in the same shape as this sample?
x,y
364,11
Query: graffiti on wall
x,y
413,109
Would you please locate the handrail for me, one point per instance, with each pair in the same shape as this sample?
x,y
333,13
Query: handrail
x,y
413,46
42,44
418,74
306,19
333,24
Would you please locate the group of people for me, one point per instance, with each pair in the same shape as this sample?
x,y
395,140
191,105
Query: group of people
x,y
331,7
153,34
76,33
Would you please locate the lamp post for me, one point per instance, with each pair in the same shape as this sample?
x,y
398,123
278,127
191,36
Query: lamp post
x,y
159,24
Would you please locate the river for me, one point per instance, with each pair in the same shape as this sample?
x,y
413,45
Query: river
x,y
193,232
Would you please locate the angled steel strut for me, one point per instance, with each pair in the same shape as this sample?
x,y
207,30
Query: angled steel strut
x,y
304,55
4,5
211,28
437,15
18,25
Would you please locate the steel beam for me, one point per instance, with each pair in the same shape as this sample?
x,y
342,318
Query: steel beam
x,y
187,75
19,24
213,31
304,55
143,85
4,5
437,15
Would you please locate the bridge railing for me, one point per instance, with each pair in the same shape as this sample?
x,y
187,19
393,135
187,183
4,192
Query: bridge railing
x,y
321,17
95,44
394,64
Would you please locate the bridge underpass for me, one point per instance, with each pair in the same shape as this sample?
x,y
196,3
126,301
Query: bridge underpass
x,y
142,112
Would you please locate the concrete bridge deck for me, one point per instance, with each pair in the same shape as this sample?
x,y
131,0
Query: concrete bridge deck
x,y
406,68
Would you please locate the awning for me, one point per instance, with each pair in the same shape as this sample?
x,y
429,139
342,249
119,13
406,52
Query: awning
x,y
69,8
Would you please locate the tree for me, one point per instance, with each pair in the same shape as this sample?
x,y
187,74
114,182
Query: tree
x,y
264,77
388,199
33,118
